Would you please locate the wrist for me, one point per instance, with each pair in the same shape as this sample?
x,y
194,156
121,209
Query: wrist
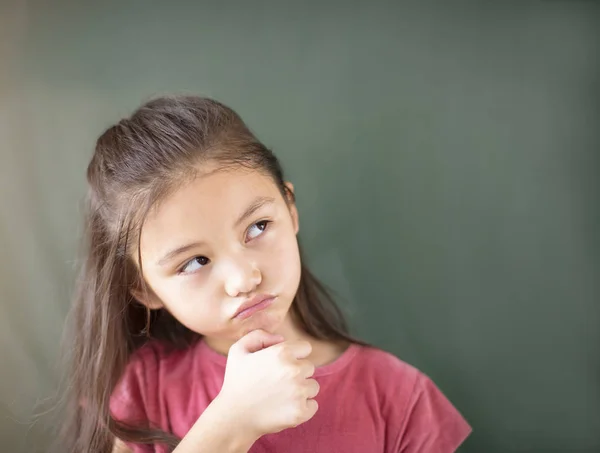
x,y
217,430
240,432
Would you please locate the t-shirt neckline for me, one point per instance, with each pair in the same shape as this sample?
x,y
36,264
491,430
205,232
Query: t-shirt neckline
x,y
339,363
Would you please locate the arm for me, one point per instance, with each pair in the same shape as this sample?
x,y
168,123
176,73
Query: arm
x,y
267,388
214,431
217,431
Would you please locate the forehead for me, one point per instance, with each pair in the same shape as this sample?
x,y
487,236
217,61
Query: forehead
x,y
208,200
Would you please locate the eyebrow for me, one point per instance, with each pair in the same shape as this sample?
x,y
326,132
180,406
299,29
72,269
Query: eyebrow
x,y
254,206
178,251
251,209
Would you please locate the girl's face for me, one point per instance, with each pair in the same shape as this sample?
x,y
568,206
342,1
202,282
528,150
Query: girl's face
x,y
217,243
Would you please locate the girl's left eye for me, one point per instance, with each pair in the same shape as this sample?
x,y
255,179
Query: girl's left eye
x,y
257,229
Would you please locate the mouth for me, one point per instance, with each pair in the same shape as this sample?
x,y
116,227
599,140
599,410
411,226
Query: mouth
x,y
253,305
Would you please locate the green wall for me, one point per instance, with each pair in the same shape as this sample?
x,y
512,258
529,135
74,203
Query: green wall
x,y
445,158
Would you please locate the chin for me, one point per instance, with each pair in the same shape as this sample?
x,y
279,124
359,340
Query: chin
x,y
268,320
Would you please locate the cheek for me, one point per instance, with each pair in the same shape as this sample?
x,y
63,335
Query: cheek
x,y
189,301
282,262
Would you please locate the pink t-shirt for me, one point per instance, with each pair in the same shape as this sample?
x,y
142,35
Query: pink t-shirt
x,y
370,401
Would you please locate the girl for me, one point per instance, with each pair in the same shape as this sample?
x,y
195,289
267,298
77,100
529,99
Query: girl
x,y
196,326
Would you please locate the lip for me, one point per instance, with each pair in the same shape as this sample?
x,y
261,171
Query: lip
x,y
253,305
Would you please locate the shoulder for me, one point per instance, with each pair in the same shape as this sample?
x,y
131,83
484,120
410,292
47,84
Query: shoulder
x,y
146,358
392,373
382,359
385,368
155,357
136,395
385,378
416,411
143,364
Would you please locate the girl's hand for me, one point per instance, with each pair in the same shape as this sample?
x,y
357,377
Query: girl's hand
x,y
267,383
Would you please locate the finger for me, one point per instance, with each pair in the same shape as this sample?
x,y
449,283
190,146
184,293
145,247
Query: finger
x,y
309,411
311,408
312,388
255,341
307,368
299,349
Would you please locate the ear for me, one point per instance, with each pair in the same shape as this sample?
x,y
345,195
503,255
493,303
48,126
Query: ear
x,y
291,201
147,297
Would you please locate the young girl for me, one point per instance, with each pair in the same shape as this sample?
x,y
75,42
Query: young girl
x,y
198,329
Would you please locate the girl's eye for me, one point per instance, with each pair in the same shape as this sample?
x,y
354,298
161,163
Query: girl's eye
x,y
257,229
194,264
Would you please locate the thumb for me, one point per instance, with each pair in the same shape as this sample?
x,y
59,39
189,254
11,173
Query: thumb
x,y
255,341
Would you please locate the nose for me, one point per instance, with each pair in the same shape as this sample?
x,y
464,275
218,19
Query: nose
x,y
241,277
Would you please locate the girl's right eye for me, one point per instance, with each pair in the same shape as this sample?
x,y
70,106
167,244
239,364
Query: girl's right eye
x,y
194,264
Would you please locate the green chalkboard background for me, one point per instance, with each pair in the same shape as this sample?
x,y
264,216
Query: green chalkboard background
x,y
446,159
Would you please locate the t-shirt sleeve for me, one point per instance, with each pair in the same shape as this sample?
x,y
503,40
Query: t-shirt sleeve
x,y
132,398
432,424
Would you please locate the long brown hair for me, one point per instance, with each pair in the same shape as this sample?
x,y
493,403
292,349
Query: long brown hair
x,y
135,164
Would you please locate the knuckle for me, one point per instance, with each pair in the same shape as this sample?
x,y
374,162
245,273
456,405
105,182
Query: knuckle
x,y
307,345
282,351
290,371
